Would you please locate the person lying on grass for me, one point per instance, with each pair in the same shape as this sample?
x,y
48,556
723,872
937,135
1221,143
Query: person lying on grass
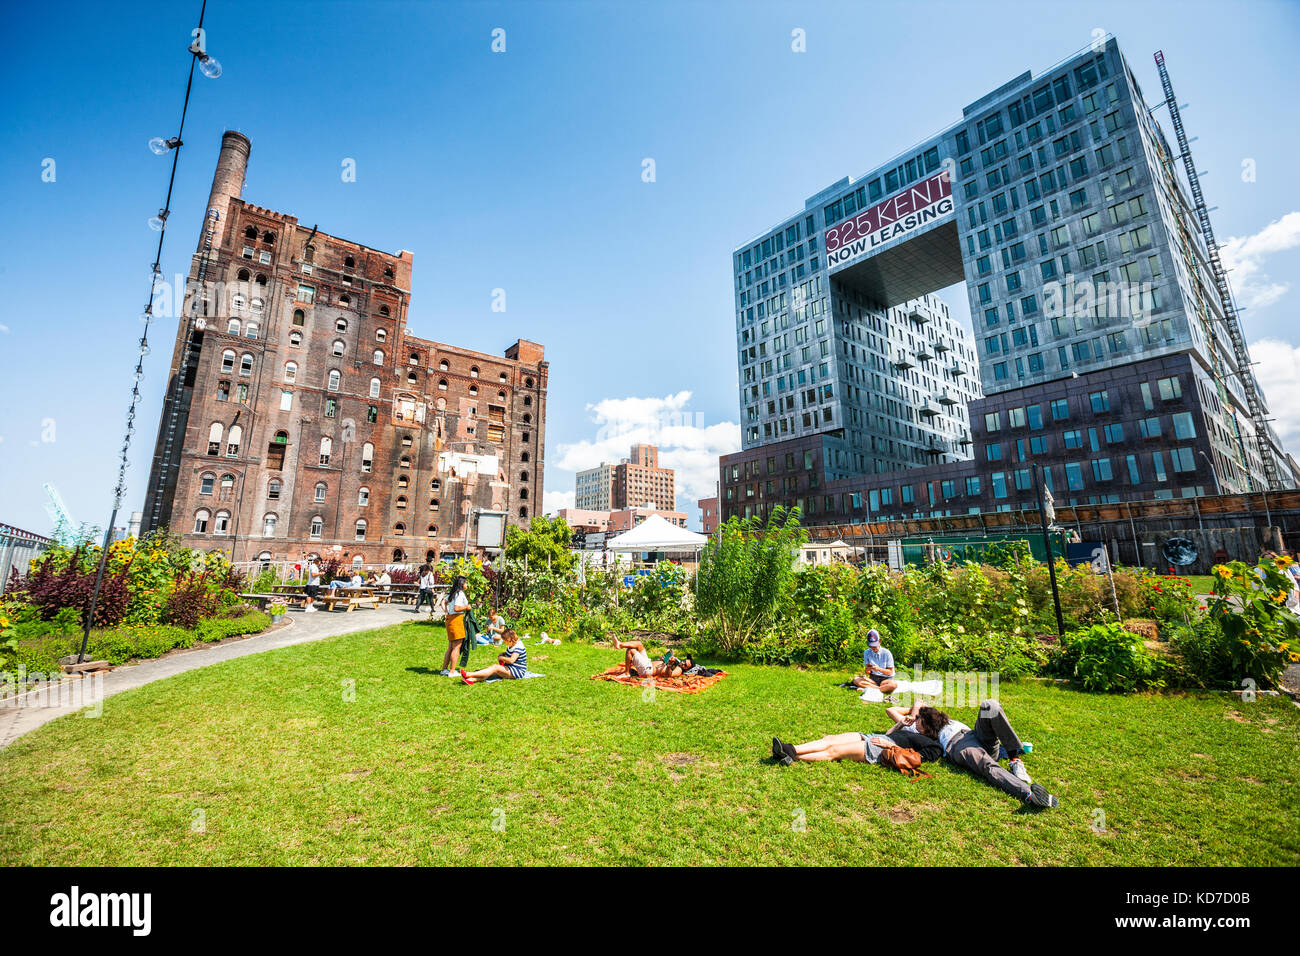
x,y
512,664
864,748
976,749
638,661
878,664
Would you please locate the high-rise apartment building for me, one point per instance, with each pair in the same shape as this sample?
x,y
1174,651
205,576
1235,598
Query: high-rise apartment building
x,y
303,417
594,488
1102,350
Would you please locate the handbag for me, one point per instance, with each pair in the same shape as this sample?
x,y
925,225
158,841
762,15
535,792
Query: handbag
x,y
905,760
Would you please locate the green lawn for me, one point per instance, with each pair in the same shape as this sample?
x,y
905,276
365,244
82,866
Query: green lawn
x,y
419,769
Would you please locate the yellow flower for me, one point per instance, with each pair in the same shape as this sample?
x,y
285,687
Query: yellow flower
x,y
1294,657
1284,561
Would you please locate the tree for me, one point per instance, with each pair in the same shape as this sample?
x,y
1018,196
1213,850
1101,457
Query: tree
x,y
746,573
546,540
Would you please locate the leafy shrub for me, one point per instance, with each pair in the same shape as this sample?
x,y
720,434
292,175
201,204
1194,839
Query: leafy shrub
x,y
592,627
191,600
1108,658
216,629
1012,655
1249,604
1203,654
776,647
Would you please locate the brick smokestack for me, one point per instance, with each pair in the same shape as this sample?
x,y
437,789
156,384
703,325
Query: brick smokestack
x,y
228,180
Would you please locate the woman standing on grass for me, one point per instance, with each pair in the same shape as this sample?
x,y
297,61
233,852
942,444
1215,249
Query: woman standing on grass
x,y
457,604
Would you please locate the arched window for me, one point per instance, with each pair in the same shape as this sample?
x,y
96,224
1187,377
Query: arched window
x,y
232,327
523,512
317,527
503,378
361,529
414,359
433,504
363,496
345,300
268,526
268,236
340,324
349,263
338,347
435,485
214,438
243,275
206,483
333,383
442,385
383,310
443,366
228,358
501,396
403,481
528,400
201,521
374,388
246,364
433,531
473,371
411,379
238,302
527,420
299,317
388,272
228,480
290,371
523,476
367,456
261,279
404,462
358,561
251,330
378,357
232,442
250,232
401,502
523,494
524,456
326,446
309,254
295,339
473,389
528,383
222,524
399,528
320,492
273,489
381,335
257,305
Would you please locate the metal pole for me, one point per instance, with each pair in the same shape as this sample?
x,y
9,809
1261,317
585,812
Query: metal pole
x,y
1213,472
1047,544
99,579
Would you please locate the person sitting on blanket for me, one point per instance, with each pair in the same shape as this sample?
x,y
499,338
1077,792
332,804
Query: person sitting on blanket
x,y
511,665
976,749
864,748
879,664
496,626
638,661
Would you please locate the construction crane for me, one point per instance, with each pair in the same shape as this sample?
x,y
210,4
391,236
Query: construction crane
x,y
65,529
1232,319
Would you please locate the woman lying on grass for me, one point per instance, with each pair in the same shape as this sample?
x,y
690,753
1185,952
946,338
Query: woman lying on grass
x,y
512,664
638,661
864,748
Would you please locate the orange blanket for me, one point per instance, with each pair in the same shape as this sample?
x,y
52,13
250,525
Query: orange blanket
x,y
682,685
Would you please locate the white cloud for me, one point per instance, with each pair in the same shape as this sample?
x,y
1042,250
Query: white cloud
x,y
686,443
1278,372
4,329
1245,256
553,501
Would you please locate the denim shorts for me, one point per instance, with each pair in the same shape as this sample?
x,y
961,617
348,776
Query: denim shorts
x,y
870,751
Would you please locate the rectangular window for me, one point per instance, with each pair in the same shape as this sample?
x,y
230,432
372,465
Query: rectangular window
x,y
1074,476
1060,409
1184,427
1100,401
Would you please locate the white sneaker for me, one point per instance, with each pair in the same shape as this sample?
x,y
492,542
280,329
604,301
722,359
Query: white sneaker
x,y
1018,768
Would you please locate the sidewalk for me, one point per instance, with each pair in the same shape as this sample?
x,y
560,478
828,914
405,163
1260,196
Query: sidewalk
x,y
16,720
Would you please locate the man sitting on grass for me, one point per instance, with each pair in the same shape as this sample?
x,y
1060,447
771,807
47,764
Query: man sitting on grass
x,y
638,661
879,664
512,664
976,749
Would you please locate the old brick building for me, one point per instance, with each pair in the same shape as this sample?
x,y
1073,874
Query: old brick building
x,y
302,417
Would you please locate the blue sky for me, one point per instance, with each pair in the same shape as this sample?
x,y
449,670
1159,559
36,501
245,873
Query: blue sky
x,y
522,171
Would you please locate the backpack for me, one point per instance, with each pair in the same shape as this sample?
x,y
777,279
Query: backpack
x,y
905,760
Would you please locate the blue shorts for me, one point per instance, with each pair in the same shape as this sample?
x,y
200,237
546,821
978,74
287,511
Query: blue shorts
x,y
517,671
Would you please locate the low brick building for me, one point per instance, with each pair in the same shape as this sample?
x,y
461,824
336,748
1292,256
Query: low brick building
x,y
302,417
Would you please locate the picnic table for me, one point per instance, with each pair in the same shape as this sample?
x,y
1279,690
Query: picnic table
x,y
262,600
349,598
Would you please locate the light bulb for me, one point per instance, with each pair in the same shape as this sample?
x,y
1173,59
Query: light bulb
x,y
156,223
159,146
210,67
144,350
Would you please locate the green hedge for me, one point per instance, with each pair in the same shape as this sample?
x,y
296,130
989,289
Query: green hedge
x,y
121,644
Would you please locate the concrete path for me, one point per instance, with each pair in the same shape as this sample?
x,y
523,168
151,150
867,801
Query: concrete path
x,y
25,713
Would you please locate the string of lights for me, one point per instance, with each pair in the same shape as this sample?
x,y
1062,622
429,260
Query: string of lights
x,y
209,67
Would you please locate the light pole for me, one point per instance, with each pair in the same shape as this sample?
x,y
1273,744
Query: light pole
x,y
1039,499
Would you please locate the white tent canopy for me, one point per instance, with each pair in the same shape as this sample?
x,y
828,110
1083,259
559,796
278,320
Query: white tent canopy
x,y
657,534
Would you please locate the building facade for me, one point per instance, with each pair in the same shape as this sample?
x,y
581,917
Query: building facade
x,y
594,488
302,417
1101,347
708,514
634,482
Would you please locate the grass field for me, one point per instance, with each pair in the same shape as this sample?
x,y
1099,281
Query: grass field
x,y
262,760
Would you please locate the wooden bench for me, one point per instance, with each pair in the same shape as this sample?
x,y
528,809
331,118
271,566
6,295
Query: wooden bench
x,y
350,598
263,600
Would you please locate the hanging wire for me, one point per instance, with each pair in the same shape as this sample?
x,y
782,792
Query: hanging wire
x,y
211,68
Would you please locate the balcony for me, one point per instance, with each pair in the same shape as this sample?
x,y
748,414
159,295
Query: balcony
x,y
919,317
928,409
941,346
947,398
923,352
956,369
903,360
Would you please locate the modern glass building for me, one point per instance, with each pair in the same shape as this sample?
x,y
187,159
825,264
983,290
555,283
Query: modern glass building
x,y
1101,349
